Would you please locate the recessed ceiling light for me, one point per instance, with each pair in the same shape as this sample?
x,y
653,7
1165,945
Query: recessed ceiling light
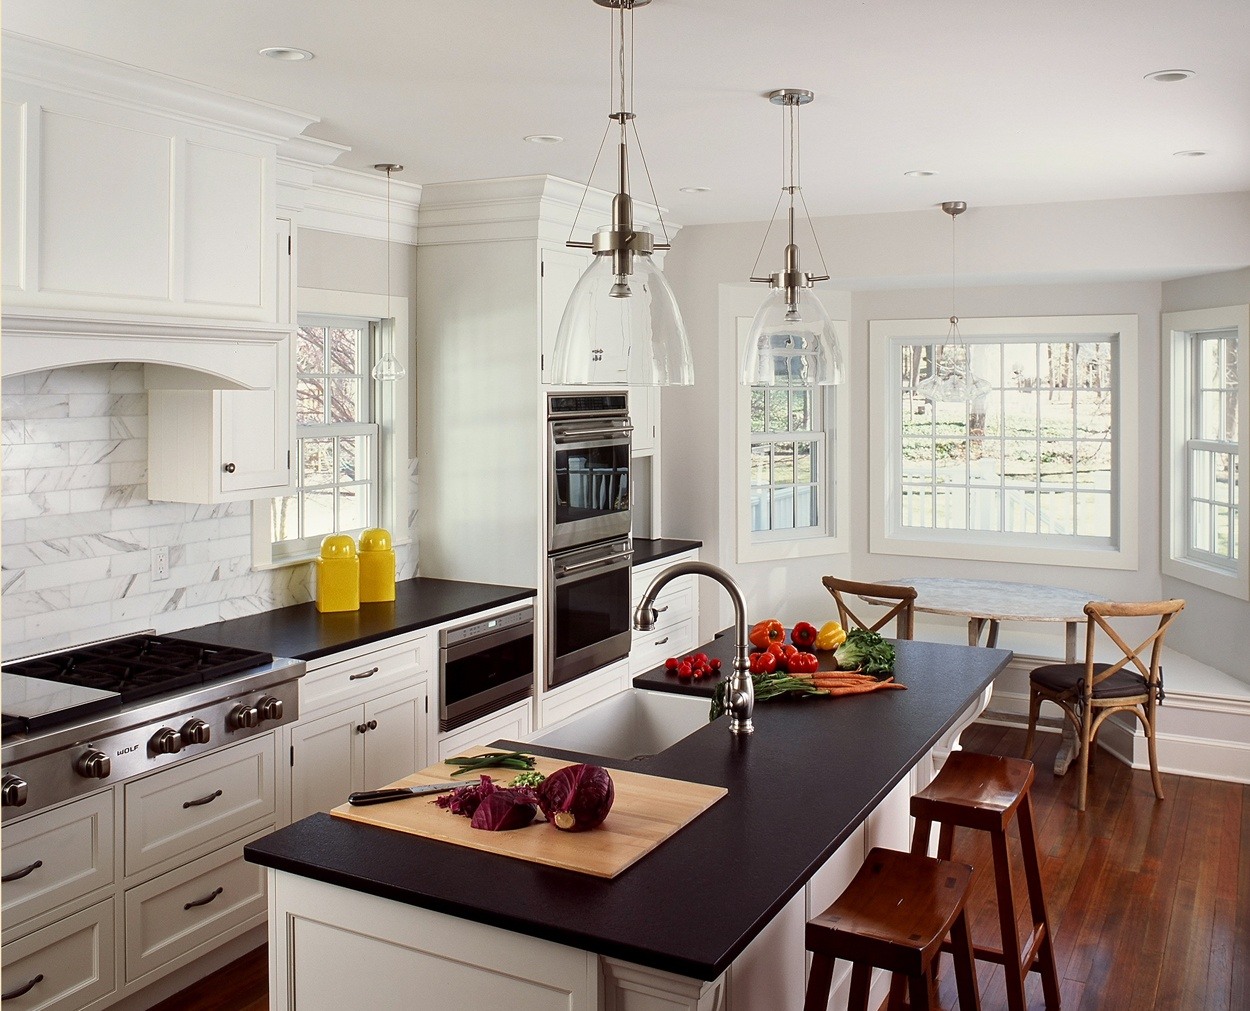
x,y
696,189
1188,154
544,138
286,53
1169,76
917,173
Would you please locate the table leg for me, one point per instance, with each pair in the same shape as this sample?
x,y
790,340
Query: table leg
x,y
1069,746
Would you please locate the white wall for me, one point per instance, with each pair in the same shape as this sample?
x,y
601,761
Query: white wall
x,y
1213,626
1089,258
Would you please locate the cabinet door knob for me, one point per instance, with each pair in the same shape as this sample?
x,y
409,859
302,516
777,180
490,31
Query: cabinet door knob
x,y
228,468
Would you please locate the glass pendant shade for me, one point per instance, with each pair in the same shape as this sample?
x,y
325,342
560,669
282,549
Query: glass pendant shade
x,y
388,368
622,329
792,340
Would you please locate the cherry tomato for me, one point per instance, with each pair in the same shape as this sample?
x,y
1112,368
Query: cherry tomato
x,y
671,663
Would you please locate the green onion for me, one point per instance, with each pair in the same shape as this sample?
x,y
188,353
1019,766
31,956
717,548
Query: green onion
x,y
492,760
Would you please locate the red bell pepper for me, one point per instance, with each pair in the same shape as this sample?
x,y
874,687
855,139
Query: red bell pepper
x,y
803,663
765,632
803,635
763,663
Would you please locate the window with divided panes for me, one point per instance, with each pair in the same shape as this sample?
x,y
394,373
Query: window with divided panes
x,y
1211,449
787,454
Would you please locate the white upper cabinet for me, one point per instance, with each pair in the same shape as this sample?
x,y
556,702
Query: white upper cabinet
x,y
560,271
128,192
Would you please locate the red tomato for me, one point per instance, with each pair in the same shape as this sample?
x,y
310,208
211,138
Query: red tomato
x,y
763,663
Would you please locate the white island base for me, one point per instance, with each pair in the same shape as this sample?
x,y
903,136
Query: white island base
x,y
333,948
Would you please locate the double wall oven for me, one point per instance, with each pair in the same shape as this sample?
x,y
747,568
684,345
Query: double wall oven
x,y
588,522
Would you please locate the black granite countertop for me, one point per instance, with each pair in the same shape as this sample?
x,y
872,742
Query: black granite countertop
x,y
798,787
652,550
304,633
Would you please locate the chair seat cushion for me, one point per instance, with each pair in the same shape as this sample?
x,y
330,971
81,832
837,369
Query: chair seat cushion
x,y
1064,677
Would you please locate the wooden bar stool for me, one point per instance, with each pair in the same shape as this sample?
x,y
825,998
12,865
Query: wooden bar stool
x,y
985,792
894,915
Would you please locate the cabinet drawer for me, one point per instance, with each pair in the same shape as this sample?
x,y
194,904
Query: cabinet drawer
x,y
74,957
676,600
56,856
568,700
653,648
511,724
187,805
349,682
169,915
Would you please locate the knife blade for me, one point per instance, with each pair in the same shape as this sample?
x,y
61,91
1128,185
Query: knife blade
x,y
363,797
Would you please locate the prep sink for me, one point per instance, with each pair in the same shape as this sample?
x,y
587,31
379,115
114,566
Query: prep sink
x,y
631,724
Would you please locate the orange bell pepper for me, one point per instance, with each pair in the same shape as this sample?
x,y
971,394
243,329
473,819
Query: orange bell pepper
x,y
765,632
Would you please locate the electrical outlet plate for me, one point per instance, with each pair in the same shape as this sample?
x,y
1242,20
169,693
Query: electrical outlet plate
x,y
160,564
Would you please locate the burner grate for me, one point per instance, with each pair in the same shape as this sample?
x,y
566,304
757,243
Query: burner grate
x,y
142,666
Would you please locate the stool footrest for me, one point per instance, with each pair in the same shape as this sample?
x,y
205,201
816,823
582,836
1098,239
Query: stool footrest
x,y
1028,955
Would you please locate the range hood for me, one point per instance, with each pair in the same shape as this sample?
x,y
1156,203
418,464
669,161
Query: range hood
x,y
207,354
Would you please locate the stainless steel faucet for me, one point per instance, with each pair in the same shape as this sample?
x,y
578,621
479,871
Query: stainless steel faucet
x,y
740,693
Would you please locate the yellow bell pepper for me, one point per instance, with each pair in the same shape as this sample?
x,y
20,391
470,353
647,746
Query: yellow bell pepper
x,y
831,636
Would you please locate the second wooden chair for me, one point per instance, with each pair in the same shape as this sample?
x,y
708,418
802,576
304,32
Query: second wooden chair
x,y
903,612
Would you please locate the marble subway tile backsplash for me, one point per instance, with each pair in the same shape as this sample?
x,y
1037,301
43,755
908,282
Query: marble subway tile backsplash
x,y
78,528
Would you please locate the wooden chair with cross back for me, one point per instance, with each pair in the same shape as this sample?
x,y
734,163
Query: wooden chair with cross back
x,y
903,613
1089,693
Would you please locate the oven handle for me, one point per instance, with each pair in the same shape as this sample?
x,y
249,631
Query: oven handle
x,y
562,437
619,560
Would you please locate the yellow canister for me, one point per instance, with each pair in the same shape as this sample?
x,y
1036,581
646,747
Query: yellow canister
x,y
338,575
377,565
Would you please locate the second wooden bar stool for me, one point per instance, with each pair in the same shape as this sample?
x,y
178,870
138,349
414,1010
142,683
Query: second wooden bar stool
x,y
985,792
894,915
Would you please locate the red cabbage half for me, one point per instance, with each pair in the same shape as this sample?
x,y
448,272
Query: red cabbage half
x,y
491,807
577,797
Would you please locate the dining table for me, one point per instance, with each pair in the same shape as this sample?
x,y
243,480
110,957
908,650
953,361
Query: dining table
x,y
986,603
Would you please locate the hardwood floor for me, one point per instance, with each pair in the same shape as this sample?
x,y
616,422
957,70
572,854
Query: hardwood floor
x,y
1149,901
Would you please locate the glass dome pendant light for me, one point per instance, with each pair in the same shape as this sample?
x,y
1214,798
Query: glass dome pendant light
x,y
952,379
622,324
388,368
791,336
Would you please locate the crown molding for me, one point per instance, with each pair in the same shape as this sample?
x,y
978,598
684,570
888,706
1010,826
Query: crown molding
x,y
353,202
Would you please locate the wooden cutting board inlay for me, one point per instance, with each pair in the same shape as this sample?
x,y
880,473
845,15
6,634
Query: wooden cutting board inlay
x,y
646,811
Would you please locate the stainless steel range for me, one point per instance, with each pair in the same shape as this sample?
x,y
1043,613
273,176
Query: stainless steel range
x,y
103,713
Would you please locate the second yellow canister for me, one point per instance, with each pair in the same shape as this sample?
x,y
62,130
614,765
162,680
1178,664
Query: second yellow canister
x,y
377,566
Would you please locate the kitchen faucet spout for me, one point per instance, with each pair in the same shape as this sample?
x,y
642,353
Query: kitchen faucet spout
x,y
740,693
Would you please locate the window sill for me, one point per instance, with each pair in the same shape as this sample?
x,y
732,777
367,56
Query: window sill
x,y
1229,583
1016,551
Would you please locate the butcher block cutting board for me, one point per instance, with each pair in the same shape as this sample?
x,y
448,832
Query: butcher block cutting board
x,y
646,811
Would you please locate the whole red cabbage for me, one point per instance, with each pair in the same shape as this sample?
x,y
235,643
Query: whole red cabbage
x,y
577,797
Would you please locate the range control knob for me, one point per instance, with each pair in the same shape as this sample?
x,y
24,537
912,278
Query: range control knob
x,y
165,741
269,708
93,764
196,732
13,791
242,716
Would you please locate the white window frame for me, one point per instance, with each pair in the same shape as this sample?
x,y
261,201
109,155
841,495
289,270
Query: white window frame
x,y
1178,329
390,404
886,533
737,311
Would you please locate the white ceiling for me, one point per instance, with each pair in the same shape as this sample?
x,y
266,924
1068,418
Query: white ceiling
x,y
1009,102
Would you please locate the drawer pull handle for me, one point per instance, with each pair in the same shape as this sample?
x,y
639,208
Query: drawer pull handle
x,y
363,727
22,990
661,642
363,674
18,875
202,801
204,901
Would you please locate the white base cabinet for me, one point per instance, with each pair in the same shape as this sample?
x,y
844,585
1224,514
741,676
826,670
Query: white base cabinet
x,y
676,632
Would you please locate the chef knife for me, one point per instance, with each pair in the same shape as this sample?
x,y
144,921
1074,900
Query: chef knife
x,y
397,793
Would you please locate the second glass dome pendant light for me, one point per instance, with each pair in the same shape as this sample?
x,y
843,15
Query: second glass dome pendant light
x,y
622,324
792,337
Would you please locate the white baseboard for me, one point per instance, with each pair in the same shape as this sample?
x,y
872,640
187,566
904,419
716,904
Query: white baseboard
x,y
1198,735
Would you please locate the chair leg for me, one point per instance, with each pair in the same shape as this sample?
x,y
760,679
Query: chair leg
x,y
920,837
1007,921
1086,743
946,840
1154,759
1035,708
861,977
819,982
919,989
1037,903
965,965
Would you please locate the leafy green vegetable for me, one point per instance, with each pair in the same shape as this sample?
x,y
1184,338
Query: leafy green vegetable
x,y
866,651
767,686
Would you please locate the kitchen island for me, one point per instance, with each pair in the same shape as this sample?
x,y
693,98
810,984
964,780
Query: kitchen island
x,y
363,914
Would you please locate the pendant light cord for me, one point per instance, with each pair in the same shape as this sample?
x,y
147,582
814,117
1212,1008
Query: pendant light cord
x,y
389,314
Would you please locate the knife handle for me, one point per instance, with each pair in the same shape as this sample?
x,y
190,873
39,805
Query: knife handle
x,y
378,796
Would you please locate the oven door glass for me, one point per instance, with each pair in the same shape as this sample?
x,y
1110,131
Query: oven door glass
x,y
590,614
589,488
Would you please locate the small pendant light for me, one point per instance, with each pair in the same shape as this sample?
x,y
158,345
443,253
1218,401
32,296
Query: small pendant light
x,y
952,379
791,336
388,368
622,324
